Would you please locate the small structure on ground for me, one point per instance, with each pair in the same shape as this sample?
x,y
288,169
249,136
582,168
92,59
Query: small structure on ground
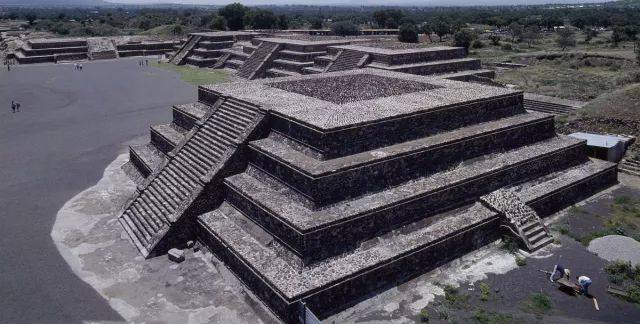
x,y
604,147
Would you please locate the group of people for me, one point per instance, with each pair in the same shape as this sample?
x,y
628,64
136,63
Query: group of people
x,y
77,66
561,272
15,106
144,62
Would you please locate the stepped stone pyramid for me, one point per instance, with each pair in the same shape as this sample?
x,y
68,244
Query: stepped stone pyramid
x,y
328,188
255,56
209,49
52,50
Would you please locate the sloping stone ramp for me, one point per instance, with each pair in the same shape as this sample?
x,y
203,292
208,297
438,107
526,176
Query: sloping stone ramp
x,y
164,197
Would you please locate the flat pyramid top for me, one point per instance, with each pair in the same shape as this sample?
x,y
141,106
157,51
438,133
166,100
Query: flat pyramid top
x,y
342,89
330,101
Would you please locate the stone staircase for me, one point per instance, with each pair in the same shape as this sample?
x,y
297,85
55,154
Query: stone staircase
x,y
221,61
254,66
167,194
630,166
186,49
548,107
346,60
523,219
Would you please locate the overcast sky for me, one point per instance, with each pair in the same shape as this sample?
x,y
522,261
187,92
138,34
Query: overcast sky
x,y
363,2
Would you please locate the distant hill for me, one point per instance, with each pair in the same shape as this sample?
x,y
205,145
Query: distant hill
x,y
54,3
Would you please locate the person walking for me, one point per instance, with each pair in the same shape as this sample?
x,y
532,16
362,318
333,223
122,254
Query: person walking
x,y
17,106
13,106
80,66
584,283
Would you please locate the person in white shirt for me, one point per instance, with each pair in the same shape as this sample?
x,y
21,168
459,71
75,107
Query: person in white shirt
x,y
584,282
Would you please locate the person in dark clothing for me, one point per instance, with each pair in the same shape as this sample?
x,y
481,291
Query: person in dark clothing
x,y
13,106
17,106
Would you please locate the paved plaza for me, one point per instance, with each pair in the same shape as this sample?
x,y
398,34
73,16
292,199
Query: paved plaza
x,y
72,124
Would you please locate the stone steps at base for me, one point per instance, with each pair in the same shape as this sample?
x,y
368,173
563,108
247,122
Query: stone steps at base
x,y
276,73
186,115
233,64
146,158
200,61
312,70
281,211
165,137
629,171
342,281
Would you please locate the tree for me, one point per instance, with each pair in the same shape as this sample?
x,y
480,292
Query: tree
x,y
408,33
234,15
316,23
345,28
177,29
589,33
516,30
427,29
630,31
31,17
495,39
283,22
617,35
261,19
566,37
219,23
388,18
531,34
463,38
441,28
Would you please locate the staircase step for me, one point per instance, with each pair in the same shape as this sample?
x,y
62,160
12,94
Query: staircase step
x,y
533,231
277,73
537,237
542,243
145,158
312,70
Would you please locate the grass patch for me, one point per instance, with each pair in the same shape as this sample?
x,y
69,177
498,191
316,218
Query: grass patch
x,y
509,244
485,291
486,317
193,75
539,303
560,78
624,274
623,104
623,219
454,298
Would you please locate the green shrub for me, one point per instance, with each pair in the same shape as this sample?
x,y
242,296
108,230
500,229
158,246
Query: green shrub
x,y
520,261
507,47
424,315
540,303
485,291
408,33
345,28
477,44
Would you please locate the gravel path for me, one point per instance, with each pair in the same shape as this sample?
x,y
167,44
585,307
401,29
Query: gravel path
x,y
616,247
